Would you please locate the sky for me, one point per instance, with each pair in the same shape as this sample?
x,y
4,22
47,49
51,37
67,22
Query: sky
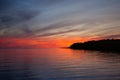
x,y
57,23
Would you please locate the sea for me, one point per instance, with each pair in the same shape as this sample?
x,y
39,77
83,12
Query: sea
x,y
58,64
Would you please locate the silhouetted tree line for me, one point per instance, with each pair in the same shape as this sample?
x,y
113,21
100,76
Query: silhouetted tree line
x,y
105,45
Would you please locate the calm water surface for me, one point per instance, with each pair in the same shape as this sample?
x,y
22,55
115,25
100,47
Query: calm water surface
x,y
58,64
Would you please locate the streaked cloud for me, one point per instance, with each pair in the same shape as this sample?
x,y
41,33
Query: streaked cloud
x,y
59,18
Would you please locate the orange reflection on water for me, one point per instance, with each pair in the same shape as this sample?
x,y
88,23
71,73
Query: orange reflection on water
x,y
49,56
58,62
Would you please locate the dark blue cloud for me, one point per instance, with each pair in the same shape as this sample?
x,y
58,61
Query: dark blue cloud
x,y
5,4
111,36
21,18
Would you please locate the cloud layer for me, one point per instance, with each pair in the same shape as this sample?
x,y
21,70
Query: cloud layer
x,y
59,18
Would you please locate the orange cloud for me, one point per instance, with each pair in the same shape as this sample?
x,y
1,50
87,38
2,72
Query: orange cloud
x,y
66,42
38,43
21,43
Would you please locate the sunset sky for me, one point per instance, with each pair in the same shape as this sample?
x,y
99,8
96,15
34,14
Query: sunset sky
x,y
57,23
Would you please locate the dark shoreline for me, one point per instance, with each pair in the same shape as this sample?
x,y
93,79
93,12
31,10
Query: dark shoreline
x,y
109,45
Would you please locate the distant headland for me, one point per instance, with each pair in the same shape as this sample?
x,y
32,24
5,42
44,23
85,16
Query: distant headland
x,y
102,45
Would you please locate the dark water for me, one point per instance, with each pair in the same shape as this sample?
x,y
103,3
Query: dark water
x,y
58,64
